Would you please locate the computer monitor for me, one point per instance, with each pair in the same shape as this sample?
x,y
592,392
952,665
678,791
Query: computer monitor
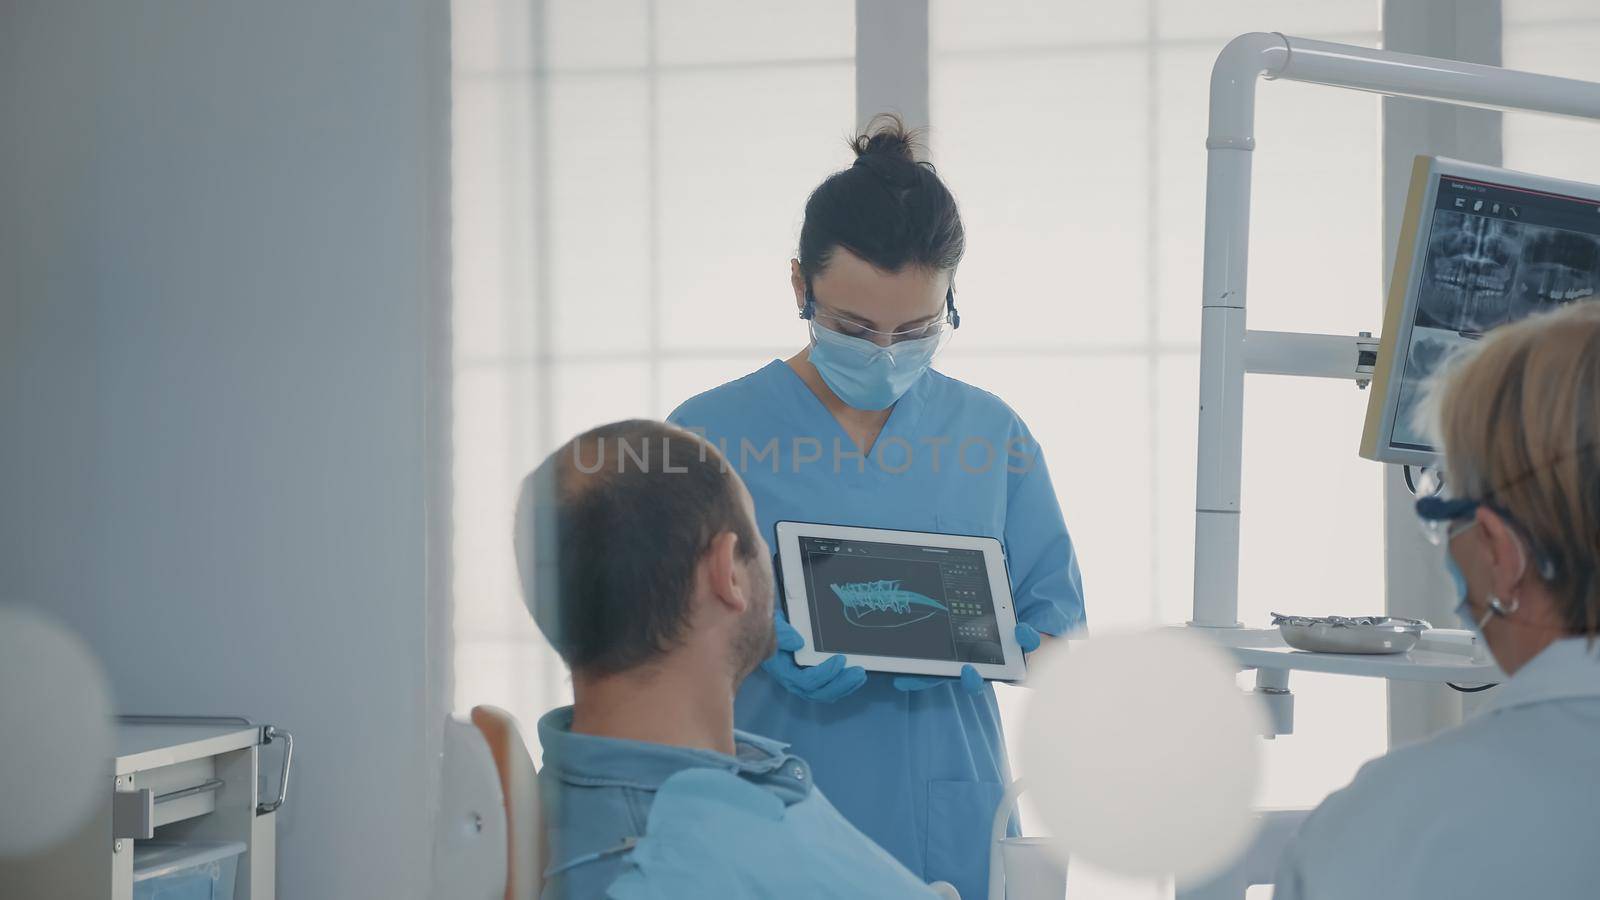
x,y
1479,247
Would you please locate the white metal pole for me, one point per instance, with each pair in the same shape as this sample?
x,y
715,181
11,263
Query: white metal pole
x,y
1427,78
892,61
1230,141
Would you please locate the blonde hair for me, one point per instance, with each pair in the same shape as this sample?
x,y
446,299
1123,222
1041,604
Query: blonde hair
x,y
1518,418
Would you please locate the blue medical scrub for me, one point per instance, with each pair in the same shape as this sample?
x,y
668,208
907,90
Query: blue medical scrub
x,y
921,773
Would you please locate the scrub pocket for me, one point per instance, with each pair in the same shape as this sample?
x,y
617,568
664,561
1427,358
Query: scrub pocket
x,y
960,814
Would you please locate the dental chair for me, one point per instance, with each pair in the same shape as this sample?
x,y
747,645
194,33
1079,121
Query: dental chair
x,y
489,838
519,785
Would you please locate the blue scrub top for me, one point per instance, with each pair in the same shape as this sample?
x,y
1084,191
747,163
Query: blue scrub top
x,y
920,773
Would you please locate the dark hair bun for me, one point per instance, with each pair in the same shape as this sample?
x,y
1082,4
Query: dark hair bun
x,y
887,137
889,208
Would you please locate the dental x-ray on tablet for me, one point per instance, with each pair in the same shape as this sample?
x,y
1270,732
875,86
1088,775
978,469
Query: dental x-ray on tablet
x,y
908,602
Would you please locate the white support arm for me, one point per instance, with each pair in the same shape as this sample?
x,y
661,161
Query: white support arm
x,y
1310,355
1427,78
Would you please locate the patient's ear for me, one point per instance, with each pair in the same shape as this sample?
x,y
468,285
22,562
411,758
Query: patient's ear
x,y
724,574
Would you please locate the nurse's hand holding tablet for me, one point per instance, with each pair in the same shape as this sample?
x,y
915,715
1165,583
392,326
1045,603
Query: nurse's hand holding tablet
x,y
944,556
832,679
823,683
1028,639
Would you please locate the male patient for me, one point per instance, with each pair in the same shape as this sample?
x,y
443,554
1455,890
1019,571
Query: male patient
x,y
641,563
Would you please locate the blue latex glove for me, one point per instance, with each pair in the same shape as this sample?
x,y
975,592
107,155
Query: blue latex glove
x,y
970,679
1027,638
824,683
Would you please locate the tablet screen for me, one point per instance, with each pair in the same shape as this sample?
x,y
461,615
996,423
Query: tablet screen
x,y
903,600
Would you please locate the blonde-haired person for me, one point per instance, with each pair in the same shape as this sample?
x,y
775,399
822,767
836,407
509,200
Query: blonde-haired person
x,y
1508,804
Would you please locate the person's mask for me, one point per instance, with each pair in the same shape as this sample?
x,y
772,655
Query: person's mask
x,y
865,375
1463,608
1496,607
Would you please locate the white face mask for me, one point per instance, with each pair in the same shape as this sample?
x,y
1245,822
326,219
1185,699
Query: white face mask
x,y
1464,608
865,375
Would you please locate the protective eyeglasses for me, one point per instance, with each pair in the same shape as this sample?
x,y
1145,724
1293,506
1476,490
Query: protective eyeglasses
x,y
1442,517
939,327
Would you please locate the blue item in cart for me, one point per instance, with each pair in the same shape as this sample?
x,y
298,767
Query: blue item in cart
x,y
193,870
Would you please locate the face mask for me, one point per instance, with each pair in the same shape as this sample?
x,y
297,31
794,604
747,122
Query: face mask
x,y
865,375
1463,608
1496,607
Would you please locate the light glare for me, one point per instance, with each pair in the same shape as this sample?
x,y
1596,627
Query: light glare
x,y
1143,755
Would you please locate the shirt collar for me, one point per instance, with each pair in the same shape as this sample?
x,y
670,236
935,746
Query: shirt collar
x,y
593,760
1567,669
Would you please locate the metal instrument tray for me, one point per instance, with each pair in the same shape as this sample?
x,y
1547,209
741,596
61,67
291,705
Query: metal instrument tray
x,y
1343,634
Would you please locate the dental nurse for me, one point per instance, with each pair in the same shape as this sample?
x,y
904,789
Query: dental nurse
x,y
858,429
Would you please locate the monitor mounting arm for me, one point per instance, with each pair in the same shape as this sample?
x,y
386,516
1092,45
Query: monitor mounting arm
x,y
1311,355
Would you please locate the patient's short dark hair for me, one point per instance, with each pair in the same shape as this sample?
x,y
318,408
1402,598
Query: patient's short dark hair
x,y
609,531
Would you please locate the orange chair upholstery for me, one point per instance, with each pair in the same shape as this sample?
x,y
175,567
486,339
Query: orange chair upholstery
x,y
519,784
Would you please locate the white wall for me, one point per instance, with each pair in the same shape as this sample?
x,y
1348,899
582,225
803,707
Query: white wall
x,y
219,267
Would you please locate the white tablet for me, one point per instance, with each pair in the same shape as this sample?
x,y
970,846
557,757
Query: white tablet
x,y
909,602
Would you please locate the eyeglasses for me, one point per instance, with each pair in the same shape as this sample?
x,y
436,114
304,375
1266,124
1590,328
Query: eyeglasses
x,y
1442,517
939,327
851,328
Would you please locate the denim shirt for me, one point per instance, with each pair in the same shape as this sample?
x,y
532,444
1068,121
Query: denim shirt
x,y
597,792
